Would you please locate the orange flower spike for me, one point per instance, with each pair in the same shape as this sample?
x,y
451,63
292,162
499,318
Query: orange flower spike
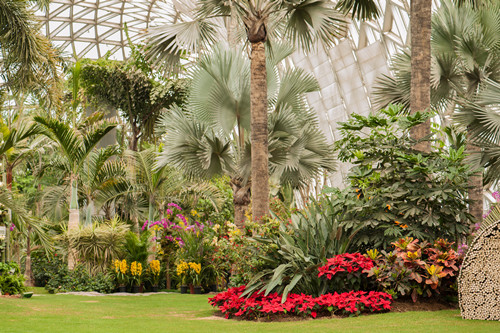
x,y
404,226
389,207
397,222
359,195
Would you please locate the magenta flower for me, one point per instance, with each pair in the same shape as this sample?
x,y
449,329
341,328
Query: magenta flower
x,y
12,226
174,205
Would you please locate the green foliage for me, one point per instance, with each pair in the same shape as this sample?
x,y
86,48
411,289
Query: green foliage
x,y
98,244
303,244
205,208
397,191
45,266
137,247
11,279
79,279
416,269
131,90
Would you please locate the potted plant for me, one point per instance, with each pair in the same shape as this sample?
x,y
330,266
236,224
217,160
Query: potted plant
x,y
182,272
136,273
121,269
194,272
154,269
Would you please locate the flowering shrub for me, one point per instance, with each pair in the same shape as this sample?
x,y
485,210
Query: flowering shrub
x,y
417,269
257,305
347,271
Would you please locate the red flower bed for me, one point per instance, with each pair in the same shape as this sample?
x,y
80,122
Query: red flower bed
x,y
257,305
348,262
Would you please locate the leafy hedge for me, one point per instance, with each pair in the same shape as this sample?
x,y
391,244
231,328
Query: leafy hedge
x,y
11,279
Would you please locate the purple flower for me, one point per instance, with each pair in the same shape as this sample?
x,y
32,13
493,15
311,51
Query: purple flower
x,y
144,225
182,217
174,205
496,196
462,248
169,211
12,226
477,226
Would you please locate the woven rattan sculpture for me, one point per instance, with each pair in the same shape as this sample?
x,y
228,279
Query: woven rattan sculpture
x,y
479,279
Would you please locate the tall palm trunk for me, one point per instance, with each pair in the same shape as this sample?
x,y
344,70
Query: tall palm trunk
x,y
89,211
241,201
420,97
74,218
28,273
259,136
9,170
475,186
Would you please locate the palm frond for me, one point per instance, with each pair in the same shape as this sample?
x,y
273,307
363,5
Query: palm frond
x,y
311,21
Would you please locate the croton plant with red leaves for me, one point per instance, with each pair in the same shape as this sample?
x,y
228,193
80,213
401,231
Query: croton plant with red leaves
x,y
258,304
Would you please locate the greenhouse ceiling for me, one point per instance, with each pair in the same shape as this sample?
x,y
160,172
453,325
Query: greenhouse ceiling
x,y
346,73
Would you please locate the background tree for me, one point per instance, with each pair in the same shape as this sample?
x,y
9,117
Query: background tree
x,y
29,63
302,22
465,52
75,145
133,91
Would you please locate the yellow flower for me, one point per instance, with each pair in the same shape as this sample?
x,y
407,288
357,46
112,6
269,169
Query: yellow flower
x,y
136,268
123,266
194,212
155,267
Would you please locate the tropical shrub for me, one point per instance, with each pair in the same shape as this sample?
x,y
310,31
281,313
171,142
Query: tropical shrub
x,y
231,303
11,279
45,266
417,268
79,279
303,244
98,244
396,191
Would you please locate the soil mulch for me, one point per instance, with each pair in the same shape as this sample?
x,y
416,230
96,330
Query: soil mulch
x,y
421,305
10,296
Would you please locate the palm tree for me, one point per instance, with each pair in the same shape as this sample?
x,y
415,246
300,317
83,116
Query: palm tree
x,y
210,136
98,178
303,22
28,60
420,96
162,185
17,143
482,121
465,53
75,145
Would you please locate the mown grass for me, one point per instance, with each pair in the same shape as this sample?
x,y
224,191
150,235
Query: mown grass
x,y
191,313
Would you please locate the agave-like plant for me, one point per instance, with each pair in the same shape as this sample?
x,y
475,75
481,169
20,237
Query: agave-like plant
x,y
98,244
314,235
211,135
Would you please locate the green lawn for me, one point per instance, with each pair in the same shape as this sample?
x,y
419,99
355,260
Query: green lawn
x,y
191,313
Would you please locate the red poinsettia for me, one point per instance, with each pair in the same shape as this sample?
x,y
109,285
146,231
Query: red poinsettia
x,y
257,304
